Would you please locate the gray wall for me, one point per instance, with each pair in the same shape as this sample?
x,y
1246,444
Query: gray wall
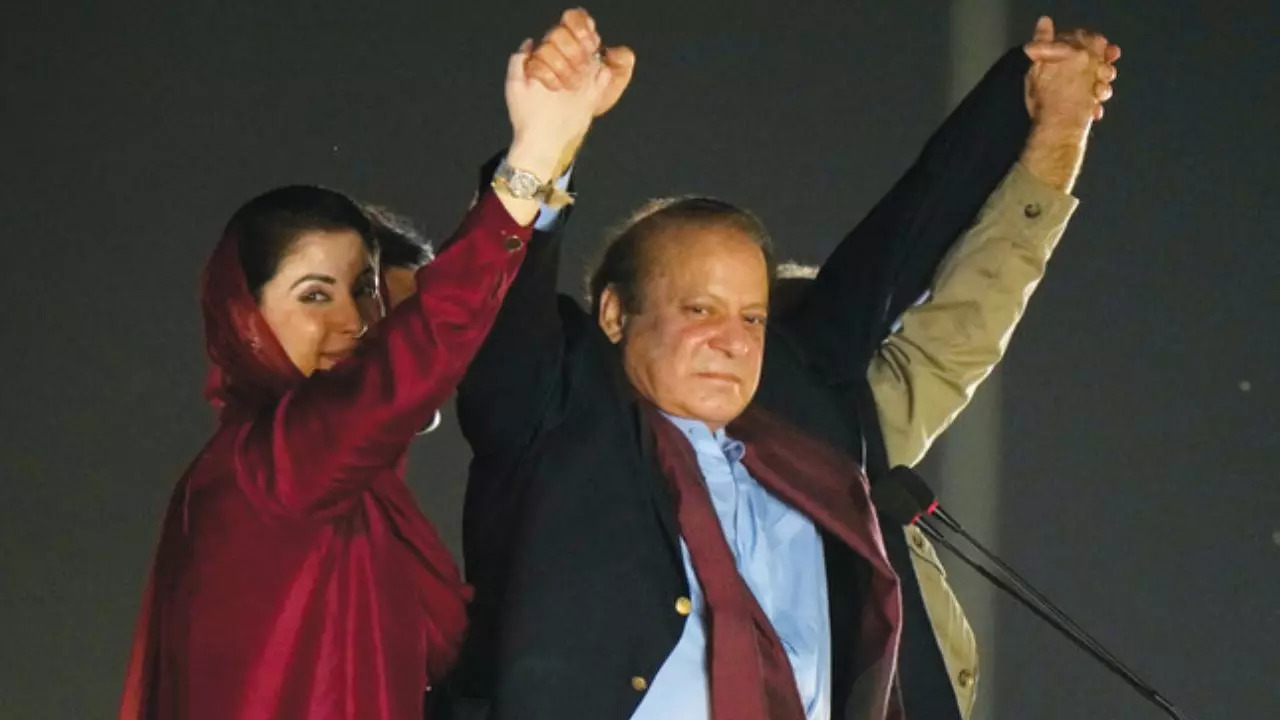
x,y
1139,459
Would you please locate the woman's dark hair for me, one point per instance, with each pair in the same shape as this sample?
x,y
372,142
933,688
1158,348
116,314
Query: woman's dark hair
x,y
400,244
624,263
267,226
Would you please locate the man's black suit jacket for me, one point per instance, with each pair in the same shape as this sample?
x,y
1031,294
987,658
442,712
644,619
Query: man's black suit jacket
x,y
570,535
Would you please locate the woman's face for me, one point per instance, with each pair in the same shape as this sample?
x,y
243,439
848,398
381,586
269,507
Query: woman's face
x,y
322,298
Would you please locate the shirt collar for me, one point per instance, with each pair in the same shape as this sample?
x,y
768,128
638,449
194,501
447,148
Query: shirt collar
x,y
705,441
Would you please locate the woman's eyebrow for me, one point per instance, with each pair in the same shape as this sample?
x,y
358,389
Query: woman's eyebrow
x,y
314,276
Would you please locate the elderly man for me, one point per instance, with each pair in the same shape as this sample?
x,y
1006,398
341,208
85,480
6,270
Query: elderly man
x,y
665,521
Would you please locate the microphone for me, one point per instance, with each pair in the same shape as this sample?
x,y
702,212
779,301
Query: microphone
x,y
906,498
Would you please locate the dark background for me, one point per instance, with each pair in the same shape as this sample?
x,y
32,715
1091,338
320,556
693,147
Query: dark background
x,y
1140,395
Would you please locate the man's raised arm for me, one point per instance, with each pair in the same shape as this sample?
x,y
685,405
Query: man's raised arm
x,y
925,373
887,261
513,377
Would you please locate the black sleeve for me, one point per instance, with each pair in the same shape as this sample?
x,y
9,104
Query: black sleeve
x,y
887,262
507,387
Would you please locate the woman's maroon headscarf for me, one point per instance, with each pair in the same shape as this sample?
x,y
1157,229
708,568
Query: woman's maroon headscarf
x,y
248,365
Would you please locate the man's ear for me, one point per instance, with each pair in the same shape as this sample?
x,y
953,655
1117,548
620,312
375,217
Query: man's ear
x,y
611,318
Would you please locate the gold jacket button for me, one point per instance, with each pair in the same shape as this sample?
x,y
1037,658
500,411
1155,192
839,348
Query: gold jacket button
x,y
512,243
684,606
1032,210
917,540
965,679
639,684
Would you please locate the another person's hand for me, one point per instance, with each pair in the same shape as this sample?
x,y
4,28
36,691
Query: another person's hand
x,y
1072,74
545,121
1068,82
551,111
569,48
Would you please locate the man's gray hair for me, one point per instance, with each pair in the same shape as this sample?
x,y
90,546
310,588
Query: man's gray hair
x,y
624,262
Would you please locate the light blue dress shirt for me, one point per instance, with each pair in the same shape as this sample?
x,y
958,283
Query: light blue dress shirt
x,y
778,552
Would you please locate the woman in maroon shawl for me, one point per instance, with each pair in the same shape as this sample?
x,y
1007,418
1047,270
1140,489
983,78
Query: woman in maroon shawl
x,y
296,576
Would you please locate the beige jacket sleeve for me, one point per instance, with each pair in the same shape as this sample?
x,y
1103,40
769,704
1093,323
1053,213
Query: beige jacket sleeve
x,y
926,372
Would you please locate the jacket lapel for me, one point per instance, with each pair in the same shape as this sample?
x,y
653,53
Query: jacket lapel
x,y
832,491
664,504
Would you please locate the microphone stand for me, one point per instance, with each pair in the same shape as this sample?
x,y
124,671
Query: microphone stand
x,y
1051,616
1022,584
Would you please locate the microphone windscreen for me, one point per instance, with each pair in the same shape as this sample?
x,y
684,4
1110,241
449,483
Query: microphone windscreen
x,y
894,502
911,482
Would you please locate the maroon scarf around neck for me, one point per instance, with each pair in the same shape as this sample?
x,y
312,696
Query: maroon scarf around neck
x,y
751,678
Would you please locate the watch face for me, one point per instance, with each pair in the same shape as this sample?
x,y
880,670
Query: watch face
x,y
523,184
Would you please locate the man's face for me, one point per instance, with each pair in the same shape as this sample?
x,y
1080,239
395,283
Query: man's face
x,y
696,346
